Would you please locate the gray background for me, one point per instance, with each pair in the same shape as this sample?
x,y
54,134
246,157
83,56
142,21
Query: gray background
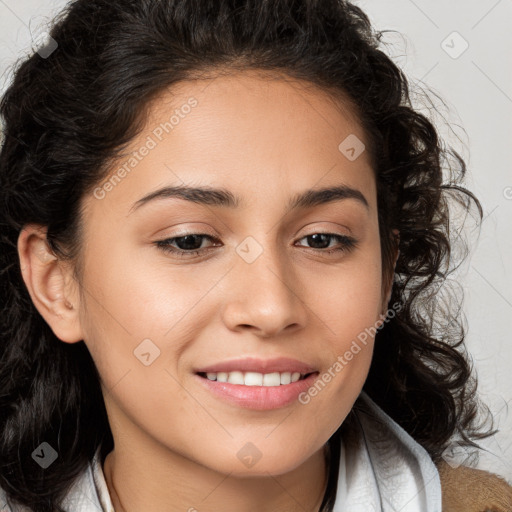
x,y
476,86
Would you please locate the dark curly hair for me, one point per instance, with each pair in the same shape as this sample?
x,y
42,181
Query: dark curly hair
x,y
69,114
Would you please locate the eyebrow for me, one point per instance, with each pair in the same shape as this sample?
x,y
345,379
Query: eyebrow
x,y
224,198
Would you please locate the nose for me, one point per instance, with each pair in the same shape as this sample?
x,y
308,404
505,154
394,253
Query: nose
x,y
264,296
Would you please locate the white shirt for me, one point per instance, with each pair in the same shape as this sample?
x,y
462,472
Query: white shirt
x,y
382,469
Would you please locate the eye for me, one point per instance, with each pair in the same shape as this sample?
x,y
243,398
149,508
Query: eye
x,y
345,243
187,245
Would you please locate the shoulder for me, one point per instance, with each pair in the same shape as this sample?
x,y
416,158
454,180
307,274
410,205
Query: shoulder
x,y
466,489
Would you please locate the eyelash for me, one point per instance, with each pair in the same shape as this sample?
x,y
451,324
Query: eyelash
x,y
347,244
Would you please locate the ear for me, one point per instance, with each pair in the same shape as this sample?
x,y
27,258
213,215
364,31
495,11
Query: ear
x,y
388,286
50,283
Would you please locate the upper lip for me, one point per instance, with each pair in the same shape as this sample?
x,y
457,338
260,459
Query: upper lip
x,y
253,364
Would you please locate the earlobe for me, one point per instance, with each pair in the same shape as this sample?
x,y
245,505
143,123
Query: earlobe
x,y
50,284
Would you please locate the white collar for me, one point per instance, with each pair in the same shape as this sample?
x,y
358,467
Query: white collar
x,y
383,469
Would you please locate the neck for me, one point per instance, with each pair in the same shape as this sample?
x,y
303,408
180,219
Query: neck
x,y
302,489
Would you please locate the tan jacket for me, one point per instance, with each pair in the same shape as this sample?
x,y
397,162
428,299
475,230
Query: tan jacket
x,y
466,489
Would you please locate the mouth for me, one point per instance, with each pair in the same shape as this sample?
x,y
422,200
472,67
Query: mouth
x,y
260,392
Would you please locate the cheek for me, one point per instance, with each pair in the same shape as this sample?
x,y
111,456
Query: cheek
x,y
347,299
133,309
142,296
357,303
347,314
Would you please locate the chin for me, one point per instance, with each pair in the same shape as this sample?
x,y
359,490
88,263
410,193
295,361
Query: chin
x,y
252,463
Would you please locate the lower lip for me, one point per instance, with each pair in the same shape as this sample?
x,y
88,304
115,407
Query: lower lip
x,y
259,398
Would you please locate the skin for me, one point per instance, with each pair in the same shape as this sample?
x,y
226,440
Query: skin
x,y
176,444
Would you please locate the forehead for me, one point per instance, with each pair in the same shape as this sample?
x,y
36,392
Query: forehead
x,y
262,133
256,93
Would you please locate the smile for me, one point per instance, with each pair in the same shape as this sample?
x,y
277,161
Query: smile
x,y
251,394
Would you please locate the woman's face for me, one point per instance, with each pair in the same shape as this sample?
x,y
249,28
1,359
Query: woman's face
x,y
263,284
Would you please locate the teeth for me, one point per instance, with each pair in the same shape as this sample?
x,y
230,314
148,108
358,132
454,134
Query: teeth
x,y
235,377
256,379
286,377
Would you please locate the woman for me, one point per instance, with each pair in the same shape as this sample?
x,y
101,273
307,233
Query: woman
x,y
222,228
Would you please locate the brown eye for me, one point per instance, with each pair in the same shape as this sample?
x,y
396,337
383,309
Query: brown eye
x,y
185,245
321,241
